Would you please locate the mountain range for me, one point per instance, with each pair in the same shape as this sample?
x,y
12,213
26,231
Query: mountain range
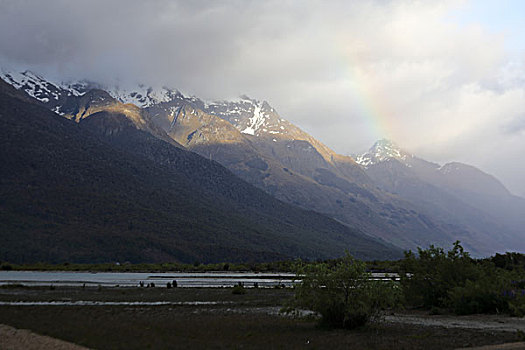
x,y
454,191
386,199
104,190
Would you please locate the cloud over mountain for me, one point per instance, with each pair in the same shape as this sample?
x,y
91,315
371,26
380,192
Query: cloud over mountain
x,y
443,86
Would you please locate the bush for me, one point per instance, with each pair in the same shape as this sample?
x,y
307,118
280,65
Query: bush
x,y
428,277
6,267
455,281
238,289
475,297
517,305
343,294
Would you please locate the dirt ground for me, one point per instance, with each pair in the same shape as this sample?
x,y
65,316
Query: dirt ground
x,y
14,339
243,321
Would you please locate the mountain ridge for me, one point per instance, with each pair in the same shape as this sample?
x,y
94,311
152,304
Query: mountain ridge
x,y
75,192
252,140
456,189
384,150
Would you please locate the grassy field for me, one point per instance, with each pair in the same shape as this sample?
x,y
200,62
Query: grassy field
x,y
244,321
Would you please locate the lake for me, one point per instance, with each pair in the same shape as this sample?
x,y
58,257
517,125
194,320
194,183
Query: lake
x,y
160,279
132,279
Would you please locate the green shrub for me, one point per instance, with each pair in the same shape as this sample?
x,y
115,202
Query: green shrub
x,y
6,267
343,293
477,297
428,277
517,302
238,289
453,280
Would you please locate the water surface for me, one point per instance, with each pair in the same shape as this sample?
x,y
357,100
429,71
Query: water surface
x,y
133,279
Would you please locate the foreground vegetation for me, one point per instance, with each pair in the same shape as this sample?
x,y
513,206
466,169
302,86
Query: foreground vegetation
x,y
435,279
344,294
340,291
249,320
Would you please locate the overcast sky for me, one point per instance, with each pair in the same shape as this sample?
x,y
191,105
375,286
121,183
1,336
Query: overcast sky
x,y
444,79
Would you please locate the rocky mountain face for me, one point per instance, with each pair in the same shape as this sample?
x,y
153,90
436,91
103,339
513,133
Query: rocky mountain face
x,y
455,192
380,194
103,189
384,150
454,175
252,140
53,95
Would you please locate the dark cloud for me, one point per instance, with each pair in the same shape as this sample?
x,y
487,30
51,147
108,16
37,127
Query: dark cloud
x,y
346,71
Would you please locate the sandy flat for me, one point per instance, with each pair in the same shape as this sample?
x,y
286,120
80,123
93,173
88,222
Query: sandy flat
x,y
23,339
483,322
508,346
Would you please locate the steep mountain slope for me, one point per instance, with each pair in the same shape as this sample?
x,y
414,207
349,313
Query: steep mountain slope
x,y
217,139
459,176
485,192
294,167
255,143
278,138
53,95
103,190
275,155
455,192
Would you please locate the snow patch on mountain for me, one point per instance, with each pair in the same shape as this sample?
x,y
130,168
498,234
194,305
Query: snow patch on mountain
x,y
141,95
383,150
250,116
57,109
256,121
47,91
40,88
449,168
247,115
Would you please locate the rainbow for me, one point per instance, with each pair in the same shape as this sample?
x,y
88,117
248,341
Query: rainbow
x,y
371,103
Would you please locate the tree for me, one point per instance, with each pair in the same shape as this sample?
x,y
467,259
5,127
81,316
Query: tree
x,y
453,280
344,294
428,276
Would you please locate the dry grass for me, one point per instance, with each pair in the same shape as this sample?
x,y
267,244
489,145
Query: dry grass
x,y
227,326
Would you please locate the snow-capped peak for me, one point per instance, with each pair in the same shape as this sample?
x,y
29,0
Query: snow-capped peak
x,y
143,96
250,116
48,91
40,88
381,151
384,149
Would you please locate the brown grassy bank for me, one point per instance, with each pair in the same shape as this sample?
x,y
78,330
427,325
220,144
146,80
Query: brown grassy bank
x,y
243,323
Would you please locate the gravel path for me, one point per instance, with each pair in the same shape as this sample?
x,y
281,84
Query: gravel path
x,y
482,322
485,322
22,339
508,346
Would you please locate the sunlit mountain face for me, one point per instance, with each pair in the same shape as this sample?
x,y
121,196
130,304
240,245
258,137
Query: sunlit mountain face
x,y
347,162
280,96
386,193
106,186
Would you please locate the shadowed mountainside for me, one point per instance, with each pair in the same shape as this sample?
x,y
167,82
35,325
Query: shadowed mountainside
x,y
455,192
76,192
387,193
